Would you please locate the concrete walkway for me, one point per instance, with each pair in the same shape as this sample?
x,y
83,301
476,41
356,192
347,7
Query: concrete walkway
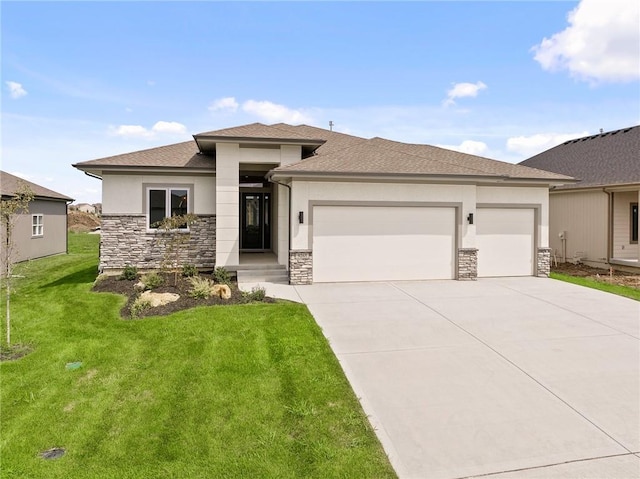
x,y
511,377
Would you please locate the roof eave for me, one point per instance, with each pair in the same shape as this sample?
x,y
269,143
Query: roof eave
x,y
600,186
97,170
207,142
275,174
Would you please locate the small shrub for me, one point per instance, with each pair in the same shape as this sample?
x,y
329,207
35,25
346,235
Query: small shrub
x,y
221,276
151,280
200,287
189,270
139,306
257,293
129,273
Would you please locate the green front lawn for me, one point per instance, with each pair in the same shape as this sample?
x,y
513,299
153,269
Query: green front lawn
x,y
249,391
625,291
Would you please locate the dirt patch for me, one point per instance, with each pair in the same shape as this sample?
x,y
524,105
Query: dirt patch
x,y
111,284
610,276
80,222
15,351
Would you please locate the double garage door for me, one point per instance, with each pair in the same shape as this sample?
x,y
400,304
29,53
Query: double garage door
x,y
381,243
378,243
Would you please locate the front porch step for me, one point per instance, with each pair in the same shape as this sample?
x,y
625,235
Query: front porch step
x,y
263,274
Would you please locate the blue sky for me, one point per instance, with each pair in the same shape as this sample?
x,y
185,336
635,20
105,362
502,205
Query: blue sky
x,y
84,80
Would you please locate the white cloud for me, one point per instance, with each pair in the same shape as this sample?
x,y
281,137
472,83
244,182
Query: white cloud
x,y
461,90
169,127
274,113
601,43
470,147
532,145
132,131
16,90
228,103
165,128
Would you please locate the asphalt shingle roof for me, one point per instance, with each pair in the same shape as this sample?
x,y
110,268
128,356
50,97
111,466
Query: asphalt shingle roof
x,y
10,184
340,154
179,155
258,130
382,156
608,158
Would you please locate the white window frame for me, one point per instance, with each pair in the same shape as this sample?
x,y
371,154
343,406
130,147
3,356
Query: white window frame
x,y
37,225
167,206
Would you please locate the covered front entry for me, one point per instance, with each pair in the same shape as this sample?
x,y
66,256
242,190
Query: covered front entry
x,y
505,241
378,243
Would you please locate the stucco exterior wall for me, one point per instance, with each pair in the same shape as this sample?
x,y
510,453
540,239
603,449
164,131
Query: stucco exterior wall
x,y
54,239
277,155
305,192
520,195
124,193
467,196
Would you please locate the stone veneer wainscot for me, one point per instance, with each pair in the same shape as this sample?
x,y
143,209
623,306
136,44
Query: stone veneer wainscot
x,y
300,267
544,262
467,264
126,241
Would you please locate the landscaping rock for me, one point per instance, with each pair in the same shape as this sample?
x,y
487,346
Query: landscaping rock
x,y
221,290
139,286
159,299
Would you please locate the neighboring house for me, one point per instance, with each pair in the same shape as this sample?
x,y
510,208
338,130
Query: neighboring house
x,y
327,206
595,220
86,208
42,231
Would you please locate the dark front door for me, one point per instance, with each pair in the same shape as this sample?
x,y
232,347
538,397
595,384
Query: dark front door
x,y
255,221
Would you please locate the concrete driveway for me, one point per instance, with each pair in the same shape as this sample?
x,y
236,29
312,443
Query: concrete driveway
x,y
512,378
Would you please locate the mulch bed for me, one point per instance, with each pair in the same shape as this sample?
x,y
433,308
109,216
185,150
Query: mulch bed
x,y
613,276
111,284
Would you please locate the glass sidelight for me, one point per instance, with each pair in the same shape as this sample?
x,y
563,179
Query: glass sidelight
x,y
255,221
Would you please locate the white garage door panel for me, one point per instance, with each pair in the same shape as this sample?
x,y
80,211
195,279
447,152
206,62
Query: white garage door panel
x,y
505,240
378,243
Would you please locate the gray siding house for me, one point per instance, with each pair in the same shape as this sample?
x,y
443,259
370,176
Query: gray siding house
x,y
42,231
595,221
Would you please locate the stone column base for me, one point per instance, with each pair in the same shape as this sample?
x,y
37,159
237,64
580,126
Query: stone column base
x,y
543,262
467,264
300,267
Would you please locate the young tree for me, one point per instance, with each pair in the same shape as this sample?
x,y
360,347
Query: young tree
x,y
176,238
10,210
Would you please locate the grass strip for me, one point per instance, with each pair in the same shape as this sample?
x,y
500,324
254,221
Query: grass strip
x,y
625,291
224,391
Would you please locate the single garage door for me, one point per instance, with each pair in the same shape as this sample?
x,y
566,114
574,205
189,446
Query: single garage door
x,y
379,243
505,241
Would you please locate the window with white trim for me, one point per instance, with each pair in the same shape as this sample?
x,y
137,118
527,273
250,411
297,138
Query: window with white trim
x,y
37,225
166,202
